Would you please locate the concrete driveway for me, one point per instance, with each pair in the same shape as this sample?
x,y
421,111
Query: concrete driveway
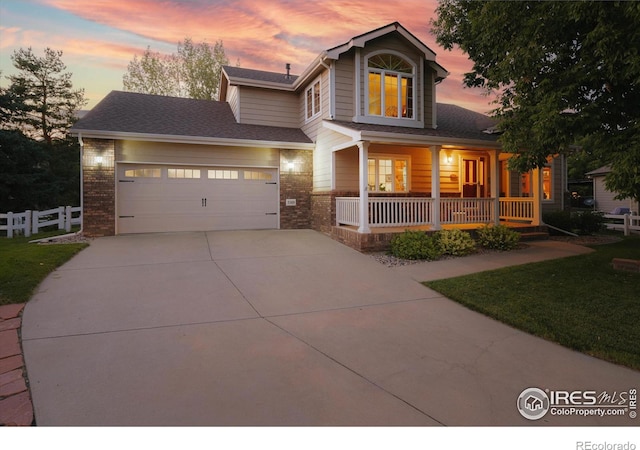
x,y
277,328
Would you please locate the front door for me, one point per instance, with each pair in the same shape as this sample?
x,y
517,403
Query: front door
x,y
472,177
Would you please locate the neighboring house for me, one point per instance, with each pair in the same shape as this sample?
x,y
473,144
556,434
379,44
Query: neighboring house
x,y
604,199
354,146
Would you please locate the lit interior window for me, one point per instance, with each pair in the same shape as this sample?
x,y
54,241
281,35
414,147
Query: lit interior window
x,y
546,183
394,97
387,174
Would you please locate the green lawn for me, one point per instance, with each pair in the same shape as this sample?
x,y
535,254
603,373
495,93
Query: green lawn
x,y
579,302
23,266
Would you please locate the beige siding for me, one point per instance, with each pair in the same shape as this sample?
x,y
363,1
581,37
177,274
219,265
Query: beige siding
x,y
232,98
428,99
310,128
344,87
421,170
347,172
604,198
168,153
268,107
322,166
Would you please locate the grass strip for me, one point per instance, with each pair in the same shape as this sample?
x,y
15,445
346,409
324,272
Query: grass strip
x,y
580,302
23,266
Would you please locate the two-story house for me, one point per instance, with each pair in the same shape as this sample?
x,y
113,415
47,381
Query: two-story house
x,y
356,146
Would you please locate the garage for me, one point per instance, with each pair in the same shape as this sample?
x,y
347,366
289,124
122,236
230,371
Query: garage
x,y
164,198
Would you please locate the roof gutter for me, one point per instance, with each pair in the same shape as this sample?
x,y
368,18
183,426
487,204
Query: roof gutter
x,y
200,140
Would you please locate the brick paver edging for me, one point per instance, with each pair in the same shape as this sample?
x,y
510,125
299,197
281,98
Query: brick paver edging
x,y
15,400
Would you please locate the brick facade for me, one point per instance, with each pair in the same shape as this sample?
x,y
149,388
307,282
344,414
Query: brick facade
x,y
99,187
296,183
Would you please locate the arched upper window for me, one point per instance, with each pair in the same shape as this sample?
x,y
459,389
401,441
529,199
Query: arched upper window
x,y
391,84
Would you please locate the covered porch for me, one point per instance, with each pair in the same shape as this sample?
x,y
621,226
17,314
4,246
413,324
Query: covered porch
x,y
432,187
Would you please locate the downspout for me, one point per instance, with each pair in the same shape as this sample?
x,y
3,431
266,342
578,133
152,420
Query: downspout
x,y
81,142
332,113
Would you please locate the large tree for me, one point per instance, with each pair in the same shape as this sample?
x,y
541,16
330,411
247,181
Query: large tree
x,y
41,99
565,74
194,71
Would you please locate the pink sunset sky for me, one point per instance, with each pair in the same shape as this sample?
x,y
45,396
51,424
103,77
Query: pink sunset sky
x,y
100,37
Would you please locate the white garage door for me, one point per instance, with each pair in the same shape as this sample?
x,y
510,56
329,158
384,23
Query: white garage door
x,y
160,198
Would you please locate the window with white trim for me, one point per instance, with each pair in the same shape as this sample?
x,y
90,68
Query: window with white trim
x,y
391,86
388,174
312,100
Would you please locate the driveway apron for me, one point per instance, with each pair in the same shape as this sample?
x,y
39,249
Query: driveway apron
x,y
276,328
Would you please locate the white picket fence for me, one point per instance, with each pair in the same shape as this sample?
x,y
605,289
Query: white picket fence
x,y
629,223
30,222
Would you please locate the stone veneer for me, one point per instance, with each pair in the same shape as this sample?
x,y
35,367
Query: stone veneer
x,y
99,187
296,184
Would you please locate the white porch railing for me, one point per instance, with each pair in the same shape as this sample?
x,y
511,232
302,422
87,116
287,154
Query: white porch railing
x,y
30,222
347,212
413,211
466,210
386,212
516,208
400,211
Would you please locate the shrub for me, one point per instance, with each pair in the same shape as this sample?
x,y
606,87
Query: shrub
x,y
498,237
455,242
415,245
559,219
589,222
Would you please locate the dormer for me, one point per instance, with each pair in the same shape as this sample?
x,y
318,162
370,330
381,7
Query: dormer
x,y
390,76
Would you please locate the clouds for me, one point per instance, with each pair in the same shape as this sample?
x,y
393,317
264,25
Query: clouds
x,y
262,34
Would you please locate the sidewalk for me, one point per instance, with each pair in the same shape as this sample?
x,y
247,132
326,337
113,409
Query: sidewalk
x,y
448,268
15,400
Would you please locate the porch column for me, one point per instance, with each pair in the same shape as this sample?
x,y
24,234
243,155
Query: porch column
x,y
495,184
435,185
537,195
363,207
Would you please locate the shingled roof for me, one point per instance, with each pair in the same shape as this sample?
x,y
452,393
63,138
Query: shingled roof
x,y
144,114
453,122
259,75
128,112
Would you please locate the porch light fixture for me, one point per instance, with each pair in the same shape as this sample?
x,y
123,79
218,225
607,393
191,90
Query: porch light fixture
x,y
99,160
449,159
290,166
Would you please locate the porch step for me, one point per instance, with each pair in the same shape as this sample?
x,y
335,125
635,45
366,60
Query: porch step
x,y
534,236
